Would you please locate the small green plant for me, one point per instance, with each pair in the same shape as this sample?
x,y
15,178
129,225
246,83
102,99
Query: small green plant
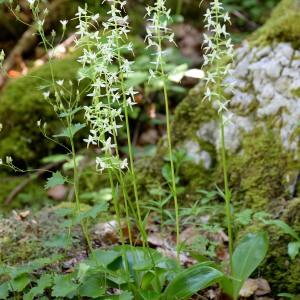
x,y
247,217
94,277
294,246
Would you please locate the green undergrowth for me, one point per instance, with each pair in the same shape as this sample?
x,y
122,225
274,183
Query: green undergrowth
x,y
281,271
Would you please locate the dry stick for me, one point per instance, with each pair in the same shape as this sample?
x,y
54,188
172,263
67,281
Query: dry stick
x,y
27,181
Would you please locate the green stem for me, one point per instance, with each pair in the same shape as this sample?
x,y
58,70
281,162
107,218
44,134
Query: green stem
x,y
223,155
166,98
76,188
179,7
174,190
227,192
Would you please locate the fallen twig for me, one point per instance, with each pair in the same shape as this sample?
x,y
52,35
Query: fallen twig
x,y
28,180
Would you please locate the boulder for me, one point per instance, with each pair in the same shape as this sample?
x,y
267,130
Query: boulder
x,y
262,137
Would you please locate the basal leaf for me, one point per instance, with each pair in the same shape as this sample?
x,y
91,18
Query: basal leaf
x,y
92,287
103,257
125,295
190,281
18,284
4,290
247,257
44,282
64,286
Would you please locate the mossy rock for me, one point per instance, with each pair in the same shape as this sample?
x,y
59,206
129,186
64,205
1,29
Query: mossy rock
x,y
278,268
22,105
262,139
282,26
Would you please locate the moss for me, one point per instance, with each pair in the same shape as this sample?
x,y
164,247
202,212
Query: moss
x,y
278,268
282,272
258,174
22,105
190,114
22,240
283,26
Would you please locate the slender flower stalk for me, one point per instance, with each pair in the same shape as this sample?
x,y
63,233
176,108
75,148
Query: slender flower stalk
x,y
104,113
179,7
111,101
157,33
219,50
63,103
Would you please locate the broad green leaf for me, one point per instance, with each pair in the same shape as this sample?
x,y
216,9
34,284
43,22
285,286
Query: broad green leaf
x,y
190,281
284,227
92,287
4,290
70,132
247,257
103,257
293,249
19,283
82,271
54,180
149,295
64,286
44,282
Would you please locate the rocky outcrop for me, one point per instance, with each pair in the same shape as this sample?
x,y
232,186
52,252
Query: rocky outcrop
x,y
262,137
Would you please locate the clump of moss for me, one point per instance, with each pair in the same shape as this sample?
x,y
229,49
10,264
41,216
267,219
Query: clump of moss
x,y
22,105
258,174
282,272
190,114
282,26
